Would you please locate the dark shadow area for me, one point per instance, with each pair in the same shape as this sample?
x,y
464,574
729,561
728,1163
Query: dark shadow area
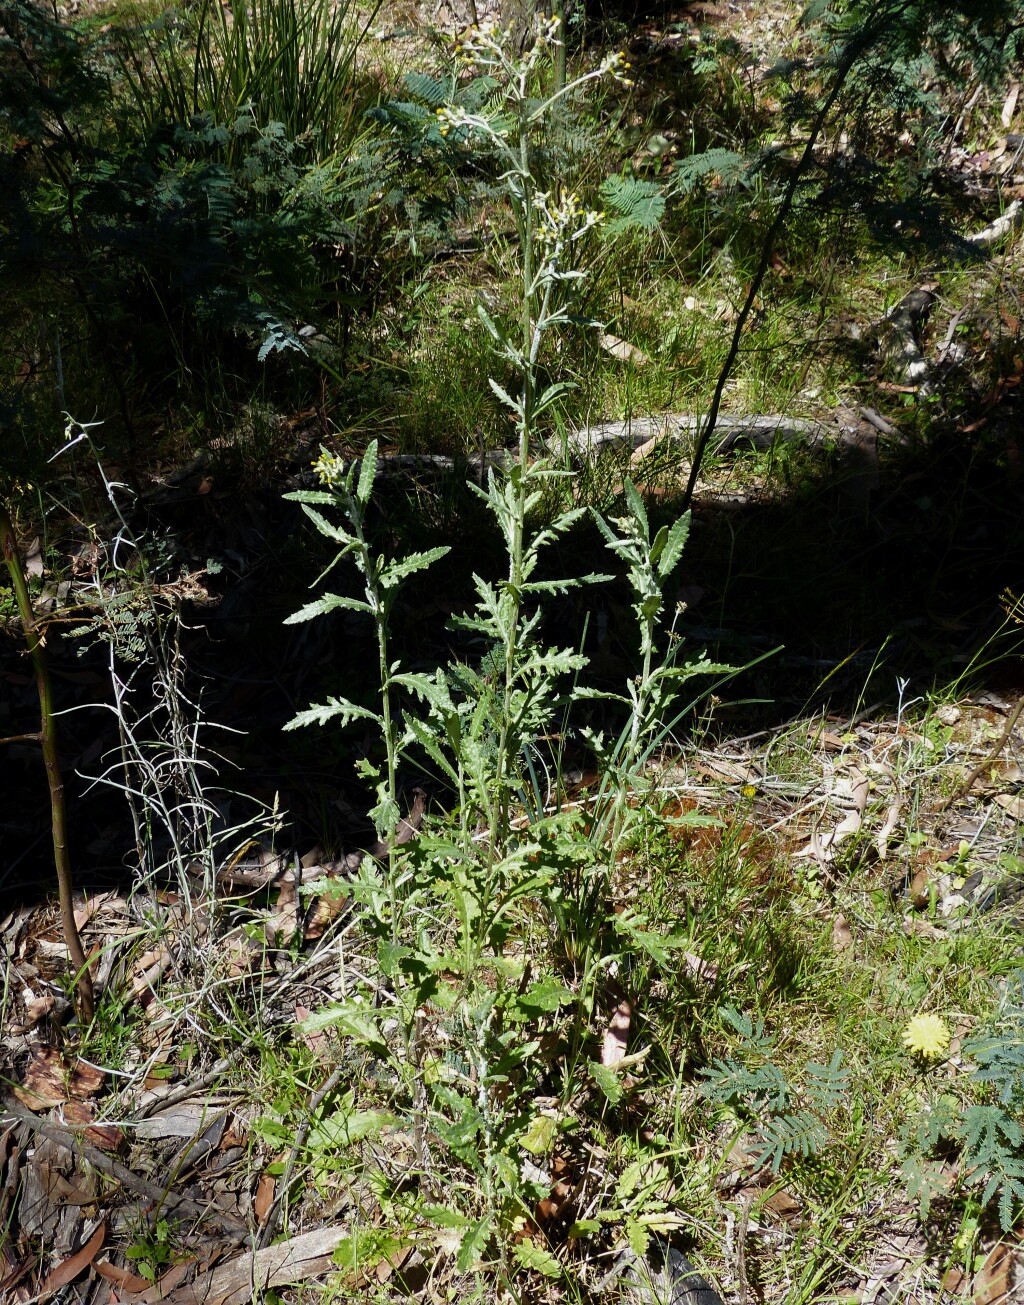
x,y
869,595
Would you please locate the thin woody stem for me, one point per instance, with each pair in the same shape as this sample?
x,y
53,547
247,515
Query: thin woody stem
x,y
47,737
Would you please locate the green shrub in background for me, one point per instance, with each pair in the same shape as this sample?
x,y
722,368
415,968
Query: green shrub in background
x,y
175,196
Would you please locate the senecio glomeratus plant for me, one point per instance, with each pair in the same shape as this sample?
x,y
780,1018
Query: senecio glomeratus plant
x,y
443,906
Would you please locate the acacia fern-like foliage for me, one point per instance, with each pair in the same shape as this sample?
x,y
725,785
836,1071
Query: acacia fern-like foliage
x,y
788,1119
990,1131
632,204
993,1158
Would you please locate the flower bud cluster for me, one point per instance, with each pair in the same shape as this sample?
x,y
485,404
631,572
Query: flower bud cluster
x,y
562,221
482,45
618,66
328,467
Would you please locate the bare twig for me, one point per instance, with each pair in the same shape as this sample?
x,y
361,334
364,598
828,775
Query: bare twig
x,y
987,759
850,55
301,1133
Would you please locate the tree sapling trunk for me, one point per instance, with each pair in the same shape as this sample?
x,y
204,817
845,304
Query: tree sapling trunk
x,y
47,736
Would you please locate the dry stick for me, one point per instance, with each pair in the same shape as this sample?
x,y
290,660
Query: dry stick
x,y
850,56
987,760
47,737
301,1133
108,1165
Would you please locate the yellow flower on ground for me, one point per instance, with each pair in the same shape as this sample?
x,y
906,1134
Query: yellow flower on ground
x,y
927,1036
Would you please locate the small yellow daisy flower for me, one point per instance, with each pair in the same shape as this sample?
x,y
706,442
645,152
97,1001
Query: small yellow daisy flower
x,y
927,1036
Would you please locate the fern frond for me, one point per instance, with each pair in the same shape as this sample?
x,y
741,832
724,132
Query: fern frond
x,y
827,1087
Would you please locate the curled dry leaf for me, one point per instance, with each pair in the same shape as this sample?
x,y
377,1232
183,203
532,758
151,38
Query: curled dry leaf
x,y
885,833
920,887
616,1035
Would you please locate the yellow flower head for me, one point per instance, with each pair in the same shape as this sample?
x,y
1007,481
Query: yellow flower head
x,y
926,1036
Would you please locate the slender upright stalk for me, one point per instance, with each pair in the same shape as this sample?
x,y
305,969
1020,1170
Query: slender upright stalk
x,y
843,70
47,736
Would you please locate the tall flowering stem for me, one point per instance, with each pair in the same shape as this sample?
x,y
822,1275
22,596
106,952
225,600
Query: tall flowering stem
x,y
547,224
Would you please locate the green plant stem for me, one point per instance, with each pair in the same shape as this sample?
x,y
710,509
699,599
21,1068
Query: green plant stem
x,y
47,736
500,810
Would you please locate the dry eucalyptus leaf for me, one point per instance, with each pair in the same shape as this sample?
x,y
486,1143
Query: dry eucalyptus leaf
x,y
1009,107
1012,804
123,1278
264,1197
889,824
616,1035
842,937
993,1283
69,1269
622,350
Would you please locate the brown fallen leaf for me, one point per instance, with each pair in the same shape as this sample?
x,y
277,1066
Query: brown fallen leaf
x,y
993,1283
914,924
123,1278
326,909
86,1080
890,822
281,926
152,966
622,350
842,937
319,1043
264,1197
822,846
731,771
699,968
920,888
1009,107
81,1115
1012,804
43,1083
616,1035
69,1269
786,1206
390,1264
